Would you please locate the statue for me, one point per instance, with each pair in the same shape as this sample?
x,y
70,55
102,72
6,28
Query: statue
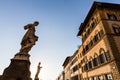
x,y
38,71
20,64
29,38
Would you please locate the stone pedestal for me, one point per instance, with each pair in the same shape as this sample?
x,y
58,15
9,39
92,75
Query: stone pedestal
x,y
19,68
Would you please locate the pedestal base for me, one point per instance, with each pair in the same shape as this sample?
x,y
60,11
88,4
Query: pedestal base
x,y
17,70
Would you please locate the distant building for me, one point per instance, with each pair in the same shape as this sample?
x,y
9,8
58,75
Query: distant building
x,y
74,67
98,57
66,66
61,76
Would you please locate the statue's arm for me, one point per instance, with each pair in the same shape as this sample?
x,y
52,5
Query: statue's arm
x,y
28,26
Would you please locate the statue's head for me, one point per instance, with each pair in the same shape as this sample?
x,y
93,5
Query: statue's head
x,y
36,23
39,63
29,26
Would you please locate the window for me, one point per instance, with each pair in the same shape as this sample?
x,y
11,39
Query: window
x,y
95,38
73,61
112,17
116,29
101,33
88,31
95,78
90,79
91,43
85,67
75,68
80,76
89,64
92,24
96,20
85,36
79,65
75,77
107,55
100,78
95,62
109,77
102,58
83,52
86,48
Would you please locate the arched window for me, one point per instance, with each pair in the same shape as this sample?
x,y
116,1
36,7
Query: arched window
x,y
96,36
90,58
87,46
90,63
88,31
102,56
91,41
85,67
101,33
95,60
116,28
92,24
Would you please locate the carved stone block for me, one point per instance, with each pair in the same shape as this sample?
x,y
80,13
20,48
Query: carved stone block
x,y
17,70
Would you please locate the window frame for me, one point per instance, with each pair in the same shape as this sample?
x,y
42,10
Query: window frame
x,y
112,16
95,62
109,78
108,56
116,29
102,58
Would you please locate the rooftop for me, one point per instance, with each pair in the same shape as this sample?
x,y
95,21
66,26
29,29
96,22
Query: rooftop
x,y
92,9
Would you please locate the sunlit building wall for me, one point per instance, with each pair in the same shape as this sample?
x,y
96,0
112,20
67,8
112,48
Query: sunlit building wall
x,y
66,67
61,76
100,34
74,66
98,57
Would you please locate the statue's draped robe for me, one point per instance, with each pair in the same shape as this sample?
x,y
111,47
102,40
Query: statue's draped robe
x,y
29,39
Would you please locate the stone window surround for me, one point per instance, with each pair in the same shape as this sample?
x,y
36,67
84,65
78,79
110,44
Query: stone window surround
x,y
102,51
94,40
97,76
116,28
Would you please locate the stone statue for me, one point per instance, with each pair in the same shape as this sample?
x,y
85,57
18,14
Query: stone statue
x,y
29,38
20,64
38,71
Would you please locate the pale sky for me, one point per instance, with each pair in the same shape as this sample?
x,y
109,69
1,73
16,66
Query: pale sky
x,y
59,23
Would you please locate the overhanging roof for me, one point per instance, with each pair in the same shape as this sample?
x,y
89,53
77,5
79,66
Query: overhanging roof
x,y
92,9
66,61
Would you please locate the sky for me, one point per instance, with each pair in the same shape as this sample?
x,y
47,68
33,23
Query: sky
x,y
59,24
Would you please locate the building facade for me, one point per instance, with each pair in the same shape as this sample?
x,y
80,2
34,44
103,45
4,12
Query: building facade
x,y
74,67
61,76
98,57
67,71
